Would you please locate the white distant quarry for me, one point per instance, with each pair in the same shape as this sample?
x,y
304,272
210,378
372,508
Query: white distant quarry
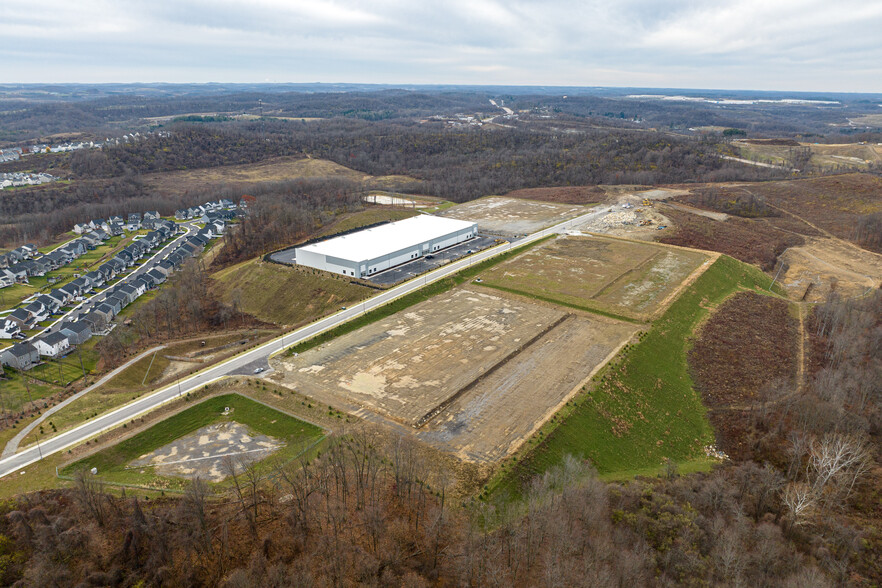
x,y
365,253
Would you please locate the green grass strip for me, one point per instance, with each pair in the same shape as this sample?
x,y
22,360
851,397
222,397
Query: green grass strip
x,y
408,300
642,408
557,302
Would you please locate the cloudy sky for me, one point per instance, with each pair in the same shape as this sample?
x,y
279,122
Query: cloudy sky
x,y
810,45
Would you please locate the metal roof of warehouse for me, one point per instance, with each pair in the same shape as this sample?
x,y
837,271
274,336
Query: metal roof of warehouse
x,y
379,241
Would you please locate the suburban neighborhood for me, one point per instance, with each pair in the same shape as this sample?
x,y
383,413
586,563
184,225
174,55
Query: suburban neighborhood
x,y
51,323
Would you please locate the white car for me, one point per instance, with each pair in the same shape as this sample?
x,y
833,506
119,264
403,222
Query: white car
x,y
258,370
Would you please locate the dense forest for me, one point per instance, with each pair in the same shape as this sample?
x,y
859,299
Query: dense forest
x,y
455,164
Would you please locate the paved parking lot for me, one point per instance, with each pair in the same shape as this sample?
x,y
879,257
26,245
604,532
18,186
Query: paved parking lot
x,y
422,265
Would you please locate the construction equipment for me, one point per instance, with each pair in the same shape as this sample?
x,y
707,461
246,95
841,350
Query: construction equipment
x,y
646,222
647,202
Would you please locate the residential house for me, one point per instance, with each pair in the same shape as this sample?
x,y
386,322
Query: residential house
x,y
52,345
38,311
97,321
71,290
77,332
21,317
18,273
49,302
165,267
181,214
81,228
151,215
96,278
134,221
9,329
129,291
22,356
109,309
60,295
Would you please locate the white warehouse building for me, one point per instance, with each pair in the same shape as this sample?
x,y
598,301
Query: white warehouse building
x,y
370,251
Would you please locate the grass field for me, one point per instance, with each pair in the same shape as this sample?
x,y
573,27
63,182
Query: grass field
x,y
284,295
619,278
17,391
642,409
60,372
112,461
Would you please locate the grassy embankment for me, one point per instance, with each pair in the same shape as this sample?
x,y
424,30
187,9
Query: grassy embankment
x,y
642,409
112,461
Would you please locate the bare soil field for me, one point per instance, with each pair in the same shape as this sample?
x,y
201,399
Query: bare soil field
x,y
822,263
406,366
471,372
494,418
498,215
626,278
209,452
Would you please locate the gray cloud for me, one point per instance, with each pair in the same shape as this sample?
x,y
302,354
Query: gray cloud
x,y
761,44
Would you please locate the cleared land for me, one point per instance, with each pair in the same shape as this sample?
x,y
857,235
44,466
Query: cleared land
x,y
139,459
839,155
755,242
474,372
832,203
405,366
821,264
498,215
516,399
270,170
624,278
284,295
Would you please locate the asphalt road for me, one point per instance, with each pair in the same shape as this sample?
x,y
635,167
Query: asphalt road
x,y
243,362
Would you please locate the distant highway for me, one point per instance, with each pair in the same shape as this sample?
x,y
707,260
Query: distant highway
x,y
150,402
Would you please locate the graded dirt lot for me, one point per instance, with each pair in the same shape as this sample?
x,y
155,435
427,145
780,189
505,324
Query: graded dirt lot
x,y
492,420
821,263
405,366
498,215
471,372
208,453
626,278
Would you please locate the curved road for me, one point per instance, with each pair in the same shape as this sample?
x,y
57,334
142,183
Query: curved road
x,y
147,403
